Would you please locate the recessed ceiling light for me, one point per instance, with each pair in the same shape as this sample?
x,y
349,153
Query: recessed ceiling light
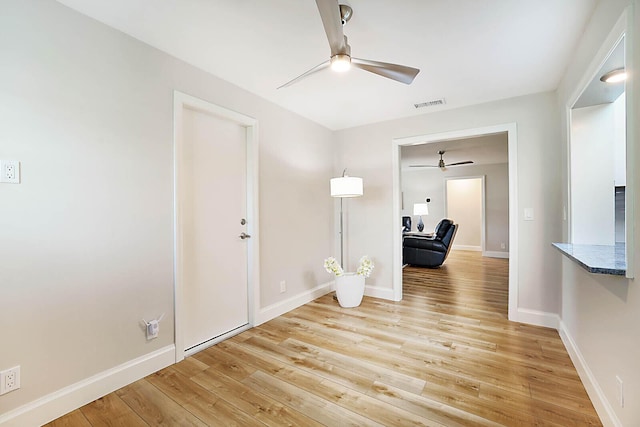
x,y
614,76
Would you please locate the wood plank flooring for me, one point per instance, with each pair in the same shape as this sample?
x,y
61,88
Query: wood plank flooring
x,y
443,356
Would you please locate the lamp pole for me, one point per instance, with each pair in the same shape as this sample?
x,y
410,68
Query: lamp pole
x,y
341,236
345,186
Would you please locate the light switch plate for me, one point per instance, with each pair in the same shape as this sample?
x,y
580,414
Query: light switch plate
x,y
528,214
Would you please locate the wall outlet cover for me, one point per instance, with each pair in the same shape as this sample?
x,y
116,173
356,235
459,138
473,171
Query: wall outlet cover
x,y
10,171
10,380
153,329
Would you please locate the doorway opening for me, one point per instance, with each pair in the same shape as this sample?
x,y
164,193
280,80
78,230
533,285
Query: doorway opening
x,y
401,202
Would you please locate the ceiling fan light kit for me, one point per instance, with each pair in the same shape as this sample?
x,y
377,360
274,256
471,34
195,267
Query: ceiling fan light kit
x,y
334,16
340,63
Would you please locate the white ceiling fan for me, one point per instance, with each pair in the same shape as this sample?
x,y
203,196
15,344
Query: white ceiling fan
x,y
441,164
334,16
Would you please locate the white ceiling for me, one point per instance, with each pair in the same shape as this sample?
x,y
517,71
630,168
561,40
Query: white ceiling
x,y
469,51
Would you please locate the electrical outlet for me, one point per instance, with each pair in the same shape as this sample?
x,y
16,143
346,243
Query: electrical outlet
x,y
283,287
153,329
10,380
10,171
503,246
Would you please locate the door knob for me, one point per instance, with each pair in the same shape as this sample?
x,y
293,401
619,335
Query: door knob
x,y
244,236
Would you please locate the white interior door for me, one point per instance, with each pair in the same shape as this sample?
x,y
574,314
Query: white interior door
x,y
212,182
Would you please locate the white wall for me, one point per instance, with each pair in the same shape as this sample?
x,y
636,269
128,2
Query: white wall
x,y
619,141
419,183
87,245
592,175
601,314
367,152
464,203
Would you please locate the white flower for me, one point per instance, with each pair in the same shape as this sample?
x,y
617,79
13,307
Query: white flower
x,y
366,267
332,266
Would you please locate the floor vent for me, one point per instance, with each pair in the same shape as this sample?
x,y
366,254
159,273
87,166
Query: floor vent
x,y
432,103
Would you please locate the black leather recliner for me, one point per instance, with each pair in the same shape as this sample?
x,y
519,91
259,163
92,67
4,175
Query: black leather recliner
x,y
430,251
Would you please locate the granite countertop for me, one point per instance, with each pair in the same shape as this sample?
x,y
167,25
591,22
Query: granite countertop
x,y
599,259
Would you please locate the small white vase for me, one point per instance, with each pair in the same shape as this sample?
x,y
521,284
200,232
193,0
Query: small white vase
x,y
349,289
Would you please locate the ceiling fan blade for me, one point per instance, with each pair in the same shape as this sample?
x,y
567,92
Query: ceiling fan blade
x,y
460,163
399,73
332,21
315,69
423,166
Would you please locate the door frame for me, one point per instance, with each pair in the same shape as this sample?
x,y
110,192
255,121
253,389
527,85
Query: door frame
x,y
512,136
483,223
182,101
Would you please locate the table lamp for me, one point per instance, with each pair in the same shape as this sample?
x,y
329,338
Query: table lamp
x,y
420,209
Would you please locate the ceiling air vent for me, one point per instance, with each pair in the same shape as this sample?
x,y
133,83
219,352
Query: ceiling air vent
x,y
431,103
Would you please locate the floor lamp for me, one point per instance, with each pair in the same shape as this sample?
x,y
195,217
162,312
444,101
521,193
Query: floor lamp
x,y
345,186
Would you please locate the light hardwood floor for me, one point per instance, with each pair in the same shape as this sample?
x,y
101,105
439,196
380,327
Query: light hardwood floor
x,y
443,356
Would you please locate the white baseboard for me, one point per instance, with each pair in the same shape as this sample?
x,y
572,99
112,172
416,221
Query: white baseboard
x,y
278,309
538,318
58,403
378,292
495,254
601,404
466,248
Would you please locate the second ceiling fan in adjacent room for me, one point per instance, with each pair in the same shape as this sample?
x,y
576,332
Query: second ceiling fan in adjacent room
x,y
441,164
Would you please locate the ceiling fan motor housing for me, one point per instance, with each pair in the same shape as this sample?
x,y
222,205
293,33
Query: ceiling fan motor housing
x,y
346,12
